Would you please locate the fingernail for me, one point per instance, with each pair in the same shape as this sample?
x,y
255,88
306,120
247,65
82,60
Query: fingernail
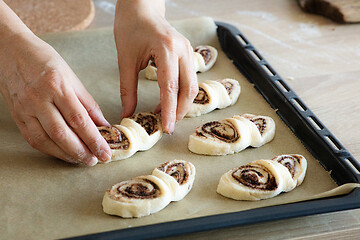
x,y
171,128
103,156
92,161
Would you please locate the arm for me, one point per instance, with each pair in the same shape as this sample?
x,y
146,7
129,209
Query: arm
x,y
142,32
48,103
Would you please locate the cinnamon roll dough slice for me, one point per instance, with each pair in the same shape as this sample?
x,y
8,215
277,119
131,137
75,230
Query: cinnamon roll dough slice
x,y
262,128
204,57
179,175
146,127
260,179
209,55
205,101
223,137
214,94
138,197
121,140
296,164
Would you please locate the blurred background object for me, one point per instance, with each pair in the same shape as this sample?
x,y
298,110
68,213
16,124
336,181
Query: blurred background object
x,y
43,16
342,11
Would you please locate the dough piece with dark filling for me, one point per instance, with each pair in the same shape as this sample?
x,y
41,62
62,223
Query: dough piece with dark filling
x,y
179,175
137,133
262,128
214,94
146,127
296,164
230,135
260,179
222,137
121,140
138,197
204,57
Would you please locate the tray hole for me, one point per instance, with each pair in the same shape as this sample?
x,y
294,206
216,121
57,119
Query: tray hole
x,y
282,86
299,104
334,144
316,123
268,70
242,40
352,166
256,55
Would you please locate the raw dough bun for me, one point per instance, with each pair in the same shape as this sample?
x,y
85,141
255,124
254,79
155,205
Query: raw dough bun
x,y
146,127
121,140
179,175
204,58
296,164
260,179
229,136
209,56
138,133
138,197
262,128
222,137
43,16
214,94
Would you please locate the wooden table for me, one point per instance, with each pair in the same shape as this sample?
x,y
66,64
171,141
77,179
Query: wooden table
x,y
319,59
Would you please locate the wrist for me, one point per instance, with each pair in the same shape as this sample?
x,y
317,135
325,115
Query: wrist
x,y
128,8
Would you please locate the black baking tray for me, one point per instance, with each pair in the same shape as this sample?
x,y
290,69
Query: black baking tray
x,y
300,119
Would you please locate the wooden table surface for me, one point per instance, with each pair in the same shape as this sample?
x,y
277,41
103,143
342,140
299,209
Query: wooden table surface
x,y
319,59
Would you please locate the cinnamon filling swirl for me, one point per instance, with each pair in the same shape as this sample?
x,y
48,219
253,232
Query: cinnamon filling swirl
x,y
228,86
222,130
114,137
289,161
257,177
135,189
148,122
202,97
176,170
260,124
205,53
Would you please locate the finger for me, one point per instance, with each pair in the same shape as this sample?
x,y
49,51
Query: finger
x,y
91,107
56,128
158,109
168,77
128,85
38,139
188,86
78,119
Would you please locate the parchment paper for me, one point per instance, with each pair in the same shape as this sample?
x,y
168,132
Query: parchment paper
x,y
42,197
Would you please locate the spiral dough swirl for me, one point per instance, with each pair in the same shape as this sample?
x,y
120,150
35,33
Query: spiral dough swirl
x,y
257,177
222,130
260,124
135,189
114,137
289,161
149,122
205,53
202,97
176,170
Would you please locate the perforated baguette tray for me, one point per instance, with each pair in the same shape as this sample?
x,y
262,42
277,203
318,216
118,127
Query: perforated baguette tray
x,y
299,118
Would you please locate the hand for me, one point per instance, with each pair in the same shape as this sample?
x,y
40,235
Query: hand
x,y
49,104
141,32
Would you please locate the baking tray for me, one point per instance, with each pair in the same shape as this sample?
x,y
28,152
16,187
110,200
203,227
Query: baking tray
x,y
318,140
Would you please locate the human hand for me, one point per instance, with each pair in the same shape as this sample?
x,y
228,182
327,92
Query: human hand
x,y
49,104
142,33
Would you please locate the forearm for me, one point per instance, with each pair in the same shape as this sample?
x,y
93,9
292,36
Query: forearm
x,y
10,24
